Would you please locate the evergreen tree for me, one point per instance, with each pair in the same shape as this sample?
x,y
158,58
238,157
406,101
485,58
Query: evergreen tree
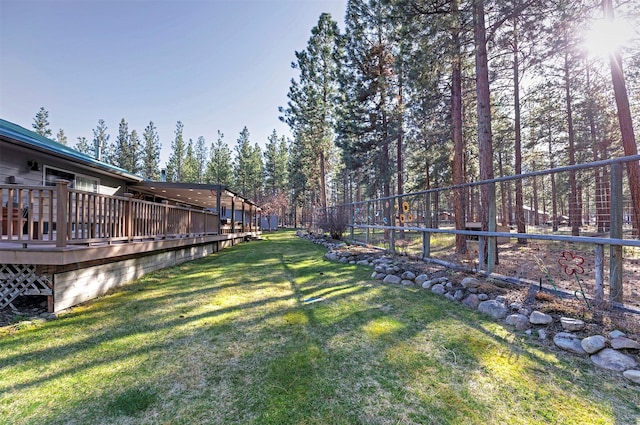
x,y
311,112
41,123
121,156
175,164
150,153
242,165
61,137
101,142
257,173
275,164
219,168
191,166
200,153
82,146
133,153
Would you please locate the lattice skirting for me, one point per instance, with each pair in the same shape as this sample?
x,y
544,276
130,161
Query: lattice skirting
x,y
21,279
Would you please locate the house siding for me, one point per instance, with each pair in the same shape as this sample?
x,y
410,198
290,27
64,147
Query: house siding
x,y
14,159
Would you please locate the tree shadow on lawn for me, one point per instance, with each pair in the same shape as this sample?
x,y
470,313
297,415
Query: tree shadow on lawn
x,y
292,360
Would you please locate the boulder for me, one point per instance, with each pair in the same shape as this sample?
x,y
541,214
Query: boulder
x,y
568,342
406,282
519,321
570,325
438,288
613,360
427,284
483,297
493,308
459,295
616,333
408,275
593,344
470,282
623,342
471,301
539,318
632,375
394,280
421,278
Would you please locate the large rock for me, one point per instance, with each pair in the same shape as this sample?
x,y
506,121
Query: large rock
x,y
427,284
471,301
483,297
421,278
406,282
408,275
613,360
616,333
593,344
623,342
395,280
539,318
519,321
568,342
493,308
362,262
438,289
458,295
470,282
331,256
632,375
570,325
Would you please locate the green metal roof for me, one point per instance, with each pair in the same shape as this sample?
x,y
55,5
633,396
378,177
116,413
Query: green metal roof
x,y
31,139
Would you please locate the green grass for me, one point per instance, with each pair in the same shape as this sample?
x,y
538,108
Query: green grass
x,y
270,333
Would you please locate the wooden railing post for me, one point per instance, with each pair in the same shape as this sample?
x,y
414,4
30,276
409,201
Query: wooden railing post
x,y
165,219
233,215
128,220
62,212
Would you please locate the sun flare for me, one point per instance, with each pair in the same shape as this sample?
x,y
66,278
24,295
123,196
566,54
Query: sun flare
x,y
604,36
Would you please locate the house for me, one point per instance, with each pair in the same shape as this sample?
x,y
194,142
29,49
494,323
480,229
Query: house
x,y
73,227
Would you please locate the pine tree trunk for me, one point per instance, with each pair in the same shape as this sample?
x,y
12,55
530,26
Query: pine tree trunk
x,y
457,135
485,137
522,228
574,212
626,124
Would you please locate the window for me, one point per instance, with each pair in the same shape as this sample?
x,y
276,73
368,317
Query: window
x,y
76,181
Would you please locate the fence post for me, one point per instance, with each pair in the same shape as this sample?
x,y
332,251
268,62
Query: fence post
x,y
366,238
492,248
62,212
352,213
615,251
426,236
599,274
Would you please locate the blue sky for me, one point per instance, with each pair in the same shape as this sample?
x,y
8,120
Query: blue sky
x,y
212,64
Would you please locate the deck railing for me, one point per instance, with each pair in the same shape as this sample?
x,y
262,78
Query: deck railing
x,y
48,214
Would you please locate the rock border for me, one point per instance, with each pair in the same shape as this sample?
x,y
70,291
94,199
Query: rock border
x,y
615,351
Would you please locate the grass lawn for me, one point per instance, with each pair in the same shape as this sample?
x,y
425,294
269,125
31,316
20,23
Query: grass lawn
x,y
270,333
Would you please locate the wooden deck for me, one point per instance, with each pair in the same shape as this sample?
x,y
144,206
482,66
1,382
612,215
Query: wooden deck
x,y
48,232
